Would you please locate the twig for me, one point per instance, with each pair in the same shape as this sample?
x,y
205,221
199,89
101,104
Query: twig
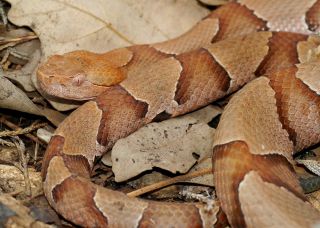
x,y
36,149
12,51
18,39
20,131
168,182
23,76
3,14
18,54
209,200
6,143
5,57
22,165
34,195
15,193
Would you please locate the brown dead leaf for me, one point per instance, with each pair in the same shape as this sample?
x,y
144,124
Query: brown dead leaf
x,y
174,145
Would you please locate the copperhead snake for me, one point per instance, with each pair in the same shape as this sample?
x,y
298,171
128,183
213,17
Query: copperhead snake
x,y
270,118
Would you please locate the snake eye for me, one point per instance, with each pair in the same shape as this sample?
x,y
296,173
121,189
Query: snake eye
x,y
78,79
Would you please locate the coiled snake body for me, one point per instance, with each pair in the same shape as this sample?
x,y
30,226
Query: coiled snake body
x,y
270,118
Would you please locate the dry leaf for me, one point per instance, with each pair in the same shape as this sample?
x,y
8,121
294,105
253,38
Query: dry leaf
x,y
99,26
206,179
8,154
312,165
12,179
206,114
168,192
23,76
214,2
22,40
11,97
175,145
44,134
314,199
317,150
14,214
63,26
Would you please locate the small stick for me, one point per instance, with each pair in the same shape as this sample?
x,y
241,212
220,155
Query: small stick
x,y
14,193
36,149
19,54
22,131
12,51
19,131
6,143
168,182
5,57
18,39
3,14
23,164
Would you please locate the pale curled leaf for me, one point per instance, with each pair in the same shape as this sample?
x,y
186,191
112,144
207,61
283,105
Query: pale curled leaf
x,y
22,40
205,116
312,165
175,145
44,134
11,97
163,154
23,76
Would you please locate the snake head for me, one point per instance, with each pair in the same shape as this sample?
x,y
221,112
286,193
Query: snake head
x,y
82,75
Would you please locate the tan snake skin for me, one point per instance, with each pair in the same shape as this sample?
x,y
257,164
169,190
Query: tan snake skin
x,y
264,123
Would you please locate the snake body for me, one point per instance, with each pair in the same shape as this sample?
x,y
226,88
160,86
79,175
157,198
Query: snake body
x,y
276,114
